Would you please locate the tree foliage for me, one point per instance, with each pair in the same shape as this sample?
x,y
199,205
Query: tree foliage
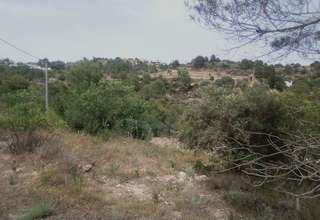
x,y
285,26
183,80
199,62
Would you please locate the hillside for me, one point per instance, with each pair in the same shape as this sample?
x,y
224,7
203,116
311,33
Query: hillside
x,y
81,177
124,141
205,74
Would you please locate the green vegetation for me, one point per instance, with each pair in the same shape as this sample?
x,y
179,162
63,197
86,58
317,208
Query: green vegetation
x,y
183,80
245,122
39,211
199,62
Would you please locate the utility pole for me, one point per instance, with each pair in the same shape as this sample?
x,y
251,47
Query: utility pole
x,y
46,85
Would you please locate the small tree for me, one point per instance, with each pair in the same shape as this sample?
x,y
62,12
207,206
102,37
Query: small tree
x,y
246,64
214,59
283,26
199,62
225,81
174,64
84,74
183,80
155,89
276,82
22,122
12,83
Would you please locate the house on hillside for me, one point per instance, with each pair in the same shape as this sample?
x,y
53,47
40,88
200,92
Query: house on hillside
x,y
36,66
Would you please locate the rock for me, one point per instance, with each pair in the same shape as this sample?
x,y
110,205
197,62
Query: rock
x,y
177,215
201,178
182,177
3,145
87,168
11,216
20,169
166,178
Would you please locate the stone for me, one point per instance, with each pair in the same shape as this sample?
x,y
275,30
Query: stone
x,y
201,178
177,215
182,177
87,168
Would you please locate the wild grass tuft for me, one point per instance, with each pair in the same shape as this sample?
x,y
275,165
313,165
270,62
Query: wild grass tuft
x,y
38,211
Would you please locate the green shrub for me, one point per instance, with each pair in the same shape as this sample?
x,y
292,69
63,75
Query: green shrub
x,y
152,151
23,123
183,80
23,119
201,168
112,105
155,89
12,83
244,201
58,96
134,128
39,211
225,117
225,81
84,74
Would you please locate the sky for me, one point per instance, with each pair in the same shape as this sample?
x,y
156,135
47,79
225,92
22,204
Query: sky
x,y
68,30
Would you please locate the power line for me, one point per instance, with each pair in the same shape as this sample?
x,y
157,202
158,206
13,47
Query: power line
x,y
19,49
35,57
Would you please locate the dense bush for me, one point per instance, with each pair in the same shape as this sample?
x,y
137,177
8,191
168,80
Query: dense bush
x,y
24,121
84,74
225,81
225,117
111,105
174,64
21,70
261,132
199,62
246,64
12,83
183,80
58,96
155,89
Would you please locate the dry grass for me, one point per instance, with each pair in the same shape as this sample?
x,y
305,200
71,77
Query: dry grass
x,y
128,179
205,74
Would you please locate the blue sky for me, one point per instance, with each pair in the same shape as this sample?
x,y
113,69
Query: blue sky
x,y
72,29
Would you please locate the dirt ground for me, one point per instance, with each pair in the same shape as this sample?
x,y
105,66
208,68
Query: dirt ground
x,y
205,74
82,177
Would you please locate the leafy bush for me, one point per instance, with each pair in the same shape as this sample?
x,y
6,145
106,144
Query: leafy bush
x,y
199,62
41,210
58,96
85,74
183,80
225,117
155,89
23,119
174,64
112,106
276,82
225,81
23,122
13,83
257,130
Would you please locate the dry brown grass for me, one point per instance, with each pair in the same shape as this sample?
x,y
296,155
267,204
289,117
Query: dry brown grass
x,y
205,74
129,179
